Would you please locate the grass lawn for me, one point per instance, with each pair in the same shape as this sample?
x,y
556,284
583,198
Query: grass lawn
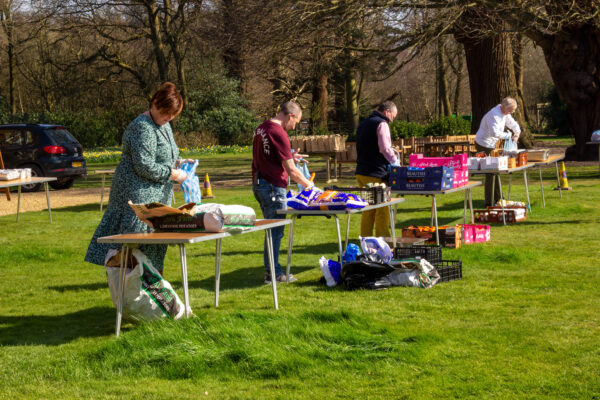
x,y
522,323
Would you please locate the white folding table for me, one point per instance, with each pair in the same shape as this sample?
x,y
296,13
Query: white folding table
x,y
434,216
552,159
508,172
335,213
20,182
129,240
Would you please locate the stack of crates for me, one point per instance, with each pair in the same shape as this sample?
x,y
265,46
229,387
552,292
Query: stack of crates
x,y
449,270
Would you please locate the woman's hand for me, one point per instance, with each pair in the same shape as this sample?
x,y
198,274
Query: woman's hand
x,y
181,161
178,175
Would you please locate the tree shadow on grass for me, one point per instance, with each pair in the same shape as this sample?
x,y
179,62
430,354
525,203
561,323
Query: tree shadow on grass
x,y
86,286
81,208
54,330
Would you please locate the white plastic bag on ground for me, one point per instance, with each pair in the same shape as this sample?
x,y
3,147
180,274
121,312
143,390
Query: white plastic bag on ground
x,y
331,271
423,275
147,295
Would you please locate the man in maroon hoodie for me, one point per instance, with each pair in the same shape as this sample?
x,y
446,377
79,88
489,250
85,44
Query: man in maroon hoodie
x,y
272,164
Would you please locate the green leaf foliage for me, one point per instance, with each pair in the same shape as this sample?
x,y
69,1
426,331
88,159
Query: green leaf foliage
x,y
448,125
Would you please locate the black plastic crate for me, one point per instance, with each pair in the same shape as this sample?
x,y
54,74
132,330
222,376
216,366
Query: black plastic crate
x,y
431,253
449,270
372,195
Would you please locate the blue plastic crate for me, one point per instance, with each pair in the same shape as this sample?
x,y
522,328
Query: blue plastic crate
x,y
427,172
429,184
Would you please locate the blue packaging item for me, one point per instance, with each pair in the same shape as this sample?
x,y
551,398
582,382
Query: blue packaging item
x,y
191,186
303,199
415,172
427,184
331,271
334,200
352,251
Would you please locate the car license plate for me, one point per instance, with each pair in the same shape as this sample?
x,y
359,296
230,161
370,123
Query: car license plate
x,y
77,164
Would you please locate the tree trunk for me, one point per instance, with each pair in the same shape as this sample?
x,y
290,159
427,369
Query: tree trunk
x,y
443,98
351,101
458,88
573,57
491,78
157,42
517,45
319,102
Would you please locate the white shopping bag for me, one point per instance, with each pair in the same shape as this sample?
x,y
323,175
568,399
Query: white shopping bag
x,y
147,295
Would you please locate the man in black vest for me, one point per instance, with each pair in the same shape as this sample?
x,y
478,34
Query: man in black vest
x,y
374,155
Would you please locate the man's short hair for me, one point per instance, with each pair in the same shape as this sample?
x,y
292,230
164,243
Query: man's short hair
x,y
387,105
509,103
290,107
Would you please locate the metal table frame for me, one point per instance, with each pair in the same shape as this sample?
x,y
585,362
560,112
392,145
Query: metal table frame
x,y
103,172
540,164
508,172
434,216
21,182
128,240
335,213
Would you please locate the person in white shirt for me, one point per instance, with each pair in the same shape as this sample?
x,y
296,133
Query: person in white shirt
x,y
492,129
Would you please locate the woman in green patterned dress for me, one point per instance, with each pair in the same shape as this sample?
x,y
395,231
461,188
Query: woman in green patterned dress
x,y
144,175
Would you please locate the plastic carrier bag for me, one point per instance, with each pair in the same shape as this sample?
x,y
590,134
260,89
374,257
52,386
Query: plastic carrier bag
x,y
147,295
376,245
510,145
191,186
331,271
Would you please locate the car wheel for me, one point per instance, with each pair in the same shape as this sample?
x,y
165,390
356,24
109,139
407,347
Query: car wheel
x,y
34,187
62,183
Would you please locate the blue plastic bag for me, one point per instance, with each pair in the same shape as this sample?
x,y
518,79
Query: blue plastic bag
x,y
191,186
352,251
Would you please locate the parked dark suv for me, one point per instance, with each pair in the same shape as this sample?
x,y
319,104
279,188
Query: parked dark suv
x,y
49,150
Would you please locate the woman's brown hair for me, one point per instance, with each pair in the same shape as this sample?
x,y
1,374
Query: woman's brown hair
x,y
167,99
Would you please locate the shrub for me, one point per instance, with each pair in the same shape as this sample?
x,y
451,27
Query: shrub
x,y
448,125
401,129
216,108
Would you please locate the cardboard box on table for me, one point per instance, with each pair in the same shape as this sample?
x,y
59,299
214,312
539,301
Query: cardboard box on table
x,y
450,236
458,162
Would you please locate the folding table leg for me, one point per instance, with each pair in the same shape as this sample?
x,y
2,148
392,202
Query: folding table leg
x,y
48,200
102,192
542,186
218,271
19,201
471,206
339,235
184,279
347,234
121,287
437,233
392,225
271,258
527,190
290,242
465,209
501,199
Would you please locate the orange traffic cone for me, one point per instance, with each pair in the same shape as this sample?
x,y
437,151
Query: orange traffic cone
x,y
206,189
564,182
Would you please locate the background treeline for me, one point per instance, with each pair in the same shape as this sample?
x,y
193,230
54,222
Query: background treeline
x,y
92,65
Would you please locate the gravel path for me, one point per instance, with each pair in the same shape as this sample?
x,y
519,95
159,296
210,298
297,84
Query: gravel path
x,y
72,197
